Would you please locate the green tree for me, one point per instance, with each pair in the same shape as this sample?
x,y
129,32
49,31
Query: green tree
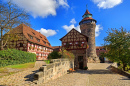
x,y
10,17
54,55
117,44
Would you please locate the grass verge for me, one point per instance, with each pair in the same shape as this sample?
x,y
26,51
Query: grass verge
x,y
4,70
47,61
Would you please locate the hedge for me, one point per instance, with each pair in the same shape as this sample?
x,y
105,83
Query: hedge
x,y
12,57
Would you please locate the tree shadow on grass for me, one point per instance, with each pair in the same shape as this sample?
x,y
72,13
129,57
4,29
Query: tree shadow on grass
x,y
30,77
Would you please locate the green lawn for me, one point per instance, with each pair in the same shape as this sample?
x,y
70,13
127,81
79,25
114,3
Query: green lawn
x,y
18,66
47,61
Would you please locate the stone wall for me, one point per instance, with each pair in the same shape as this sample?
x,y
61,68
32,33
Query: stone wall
x,y
57,68
114,68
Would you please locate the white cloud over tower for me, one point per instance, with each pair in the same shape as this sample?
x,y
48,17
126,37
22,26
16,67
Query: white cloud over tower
x,y
73,22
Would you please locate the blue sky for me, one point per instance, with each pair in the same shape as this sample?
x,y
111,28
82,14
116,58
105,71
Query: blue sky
x,y
54,18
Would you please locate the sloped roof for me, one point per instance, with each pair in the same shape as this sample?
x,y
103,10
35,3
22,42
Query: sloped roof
x,y
76,31
26,30
87,12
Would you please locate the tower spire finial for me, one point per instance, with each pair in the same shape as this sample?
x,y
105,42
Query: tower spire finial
x,y
86,6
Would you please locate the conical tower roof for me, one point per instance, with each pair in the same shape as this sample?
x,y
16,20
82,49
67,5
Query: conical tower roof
x,y
87,16
87,12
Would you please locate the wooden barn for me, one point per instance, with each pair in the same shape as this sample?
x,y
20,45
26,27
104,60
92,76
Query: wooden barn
x,y
31,41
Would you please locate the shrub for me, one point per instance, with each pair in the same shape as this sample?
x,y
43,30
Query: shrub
x,y
67,54
54,55
12,56
85,68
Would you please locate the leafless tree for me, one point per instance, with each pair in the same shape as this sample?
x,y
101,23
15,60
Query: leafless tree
x,y
10,16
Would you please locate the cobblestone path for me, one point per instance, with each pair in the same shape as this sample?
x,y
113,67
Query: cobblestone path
x,y
97,75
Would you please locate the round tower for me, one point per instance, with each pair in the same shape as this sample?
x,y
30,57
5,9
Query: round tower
x,y
87,27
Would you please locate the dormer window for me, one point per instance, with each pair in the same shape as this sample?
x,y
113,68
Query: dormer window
x,y
31,37
49,44
33,33
38,39
44,42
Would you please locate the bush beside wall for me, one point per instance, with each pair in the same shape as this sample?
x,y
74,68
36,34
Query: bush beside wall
x,y
12,56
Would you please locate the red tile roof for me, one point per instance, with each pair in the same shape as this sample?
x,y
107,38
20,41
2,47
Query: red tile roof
x,y
26,30
87,12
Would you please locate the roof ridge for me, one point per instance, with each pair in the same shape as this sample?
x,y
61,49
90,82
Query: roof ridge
x,y
70,31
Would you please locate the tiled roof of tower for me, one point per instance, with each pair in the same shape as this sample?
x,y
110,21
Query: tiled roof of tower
x,y
88,18
87,12
38,38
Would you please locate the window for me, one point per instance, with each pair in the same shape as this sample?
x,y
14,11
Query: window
x,y
38,39
21,45
37,54
33,33
76,42
44,42
31,37
49,44
70,43
64,43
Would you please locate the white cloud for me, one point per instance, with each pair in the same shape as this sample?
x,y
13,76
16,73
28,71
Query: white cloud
x,y
107,3
73,21
68,28
97,30
63,3
41,8
46,32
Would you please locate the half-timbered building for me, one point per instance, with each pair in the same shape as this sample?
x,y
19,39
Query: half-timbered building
x,y
76,42
31,41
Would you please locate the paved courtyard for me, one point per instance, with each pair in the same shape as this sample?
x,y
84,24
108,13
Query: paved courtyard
x,y
97,75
